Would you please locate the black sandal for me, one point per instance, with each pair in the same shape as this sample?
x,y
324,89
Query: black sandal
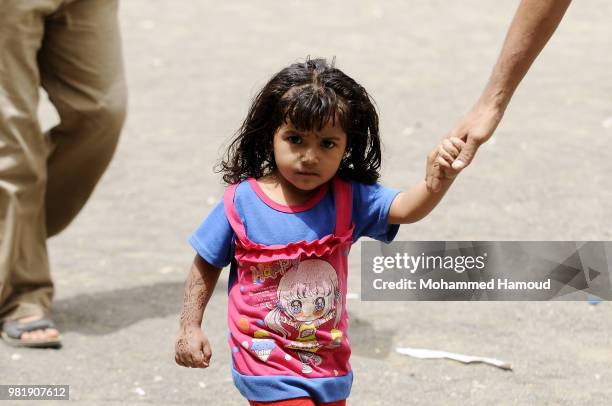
x,y
12,330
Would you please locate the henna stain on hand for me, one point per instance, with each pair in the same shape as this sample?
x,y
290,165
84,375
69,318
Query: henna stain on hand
x,y
194,300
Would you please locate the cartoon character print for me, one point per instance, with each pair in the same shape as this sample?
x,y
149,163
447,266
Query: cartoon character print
x,y
307,296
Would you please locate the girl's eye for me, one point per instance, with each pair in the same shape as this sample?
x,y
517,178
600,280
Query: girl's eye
x,y
295,139
327,144
319,303
295,306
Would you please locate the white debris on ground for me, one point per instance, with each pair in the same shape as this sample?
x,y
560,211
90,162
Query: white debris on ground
x,y
139,391
423,353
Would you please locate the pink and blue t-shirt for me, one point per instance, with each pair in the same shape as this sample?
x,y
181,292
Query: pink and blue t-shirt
x,y
287,285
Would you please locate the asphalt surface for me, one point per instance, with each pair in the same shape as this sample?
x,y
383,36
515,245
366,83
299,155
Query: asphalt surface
x,y
192,69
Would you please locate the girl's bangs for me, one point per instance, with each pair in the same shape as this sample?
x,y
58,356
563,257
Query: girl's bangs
x,y
311,108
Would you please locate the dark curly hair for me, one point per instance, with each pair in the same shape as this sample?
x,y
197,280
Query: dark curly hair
x,y
308,94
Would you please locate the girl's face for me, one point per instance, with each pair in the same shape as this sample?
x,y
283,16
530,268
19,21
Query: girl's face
x,y
309,308
308,159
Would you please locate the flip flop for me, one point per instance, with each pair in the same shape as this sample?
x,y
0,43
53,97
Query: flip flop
x,y
12,330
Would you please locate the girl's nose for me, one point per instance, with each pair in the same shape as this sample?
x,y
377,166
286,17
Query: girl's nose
x,y
310,157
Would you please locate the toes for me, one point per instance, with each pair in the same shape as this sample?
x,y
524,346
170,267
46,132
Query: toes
x,y
52,333
38,335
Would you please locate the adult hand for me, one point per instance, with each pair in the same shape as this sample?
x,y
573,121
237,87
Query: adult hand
x,y
474,129
192,348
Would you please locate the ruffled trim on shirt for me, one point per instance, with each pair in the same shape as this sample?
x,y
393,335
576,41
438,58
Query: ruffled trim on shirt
x,y
254,252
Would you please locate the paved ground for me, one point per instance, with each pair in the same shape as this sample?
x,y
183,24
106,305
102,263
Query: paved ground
x,y
192,68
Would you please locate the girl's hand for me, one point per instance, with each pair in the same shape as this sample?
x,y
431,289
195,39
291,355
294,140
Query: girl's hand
x,y
192,349
440,161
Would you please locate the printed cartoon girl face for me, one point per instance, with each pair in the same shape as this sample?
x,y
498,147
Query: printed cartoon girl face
x,y
307,292
311,307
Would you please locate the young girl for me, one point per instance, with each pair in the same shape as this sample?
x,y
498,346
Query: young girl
x,y
302,175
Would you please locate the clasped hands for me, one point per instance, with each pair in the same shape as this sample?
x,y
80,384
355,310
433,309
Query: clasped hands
x,y
458,148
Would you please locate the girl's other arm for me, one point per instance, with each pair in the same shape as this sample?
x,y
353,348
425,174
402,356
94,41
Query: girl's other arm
x,y
192,346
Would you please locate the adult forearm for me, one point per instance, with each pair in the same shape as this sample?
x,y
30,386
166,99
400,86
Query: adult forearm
x,y
199,288
534,23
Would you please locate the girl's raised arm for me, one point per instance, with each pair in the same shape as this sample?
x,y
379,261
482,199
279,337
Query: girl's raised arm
x,y
414,204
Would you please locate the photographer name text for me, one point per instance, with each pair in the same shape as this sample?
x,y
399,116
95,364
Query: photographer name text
x,y
430,284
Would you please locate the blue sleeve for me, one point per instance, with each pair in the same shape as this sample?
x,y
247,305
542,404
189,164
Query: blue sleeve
x,y
371,204
213,238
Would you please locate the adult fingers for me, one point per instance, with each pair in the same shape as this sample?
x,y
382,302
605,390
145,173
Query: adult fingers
x,y
467,154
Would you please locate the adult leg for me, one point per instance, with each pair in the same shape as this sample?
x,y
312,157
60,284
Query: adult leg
x,y
82,71
26,288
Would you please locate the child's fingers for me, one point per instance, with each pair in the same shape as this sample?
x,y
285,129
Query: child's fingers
x,y
458,143
443,162
192,359
181,352
186,359
190,354
207,352
200,360
202,357
196,355
183,360
449,148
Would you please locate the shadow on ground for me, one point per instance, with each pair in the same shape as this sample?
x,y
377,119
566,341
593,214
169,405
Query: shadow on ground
x,y
106,312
